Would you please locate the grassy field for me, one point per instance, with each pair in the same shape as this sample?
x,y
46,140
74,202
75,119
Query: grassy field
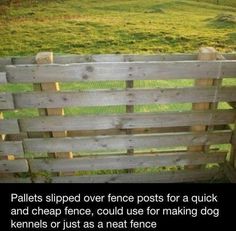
x,y
117,26
220,2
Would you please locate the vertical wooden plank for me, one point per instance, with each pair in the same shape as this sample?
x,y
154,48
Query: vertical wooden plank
x,y
207,54
129,109
232,159
47,58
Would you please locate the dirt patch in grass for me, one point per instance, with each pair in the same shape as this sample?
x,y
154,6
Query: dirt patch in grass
x,y
226,18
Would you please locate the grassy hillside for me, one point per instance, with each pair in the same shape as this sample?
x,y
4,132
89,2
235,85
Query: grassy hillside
x,y
117,26
220,2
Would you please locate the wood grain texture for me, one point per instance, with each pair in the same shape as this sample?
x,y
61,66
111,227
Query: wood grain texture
x,y
3,78
13,166
123,121
11,147
9,126
125,162
118,97
6,101
105,143
119,71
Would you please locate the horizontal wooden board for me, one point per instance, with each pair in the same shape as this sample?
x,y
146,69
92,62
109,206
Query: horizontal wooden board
x,y
105,132
6,101
125,162
128,121
3,78
23,60
11,166
123,97
64,59
15,180
229,56
104,143
11,147
209,175
4,62
72,58
120,71
9,126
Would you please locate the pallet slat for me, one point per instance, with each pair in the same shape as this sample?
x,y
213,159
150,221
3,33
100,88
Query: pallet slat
x,y
162,177
9,126
119,71
11,166
127,121
125,162
3,62
11,147
121,97
6,101
125,141
3,78
15,180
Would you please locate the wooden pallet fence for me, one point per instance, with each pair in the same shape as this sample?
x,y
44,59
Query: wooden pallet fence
x,y
118,141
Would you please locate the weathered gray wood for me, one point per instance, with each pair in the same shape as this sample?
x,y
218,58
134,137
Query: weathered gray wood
x,y
6,101
123,97
163,177
3,78
125,162
127,121
230,172
70,58
15,180
11,147
3,62
119,71
81,133
125,141
230,56
11,166
9,126
23,60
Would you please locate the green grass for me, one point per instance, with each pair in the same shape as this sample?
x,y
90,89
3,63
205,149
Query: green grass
x,y
220,2
117,26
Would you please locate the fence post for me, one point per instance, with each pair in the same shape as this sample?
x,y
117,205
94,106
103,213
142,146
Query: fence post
x,y
232,159
205,54
47,58
129,109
